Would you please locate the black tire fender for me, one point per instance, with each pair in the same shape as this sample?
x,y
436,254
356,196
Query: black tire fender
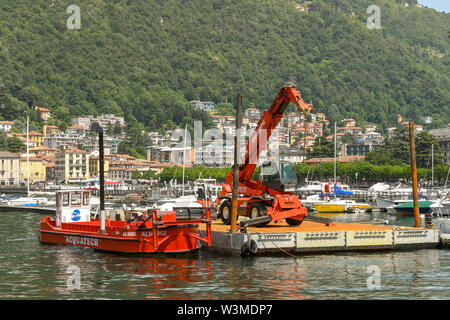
x,y
250,247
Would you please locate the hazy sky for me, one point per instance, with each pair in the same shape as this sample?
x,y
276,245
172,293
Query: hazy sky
x,y
439,5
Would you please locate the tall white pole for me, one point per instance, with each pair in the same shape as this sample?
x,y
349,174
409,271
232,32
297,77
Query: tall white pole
x,y
28,159
335,149
432,165
184,155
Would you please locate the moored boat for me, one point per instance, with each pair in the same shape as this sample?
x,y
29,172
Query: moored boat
x,y
407,208
339,206
152,232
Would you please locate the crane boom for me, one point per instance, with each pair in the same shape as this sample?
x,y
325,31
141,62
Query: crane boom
x,y
268,122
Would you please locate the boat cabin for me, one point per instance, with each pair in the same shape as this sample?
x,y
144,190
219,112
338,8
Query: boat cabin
x,y
73,206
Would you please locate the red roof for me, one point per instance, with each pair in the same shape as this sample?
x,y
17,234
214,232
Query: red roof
x,y
34,133
353,128
42,109
339,159
73,150
216,116
42,148
126,156
77,127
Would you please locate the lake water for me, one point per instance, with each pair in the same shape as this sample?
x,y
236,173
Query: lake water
x,y
31,270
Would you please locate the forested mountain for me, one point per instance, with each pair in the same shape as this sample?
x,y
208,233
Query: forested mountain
x,y
148,58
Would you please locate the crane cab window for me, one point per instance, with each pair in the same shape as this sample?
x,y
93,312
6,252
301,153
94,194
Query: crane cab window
x,y
287,173
270,172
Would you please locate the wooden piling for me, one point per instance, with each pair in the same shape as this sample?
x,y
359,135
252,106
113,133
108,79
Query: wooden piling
x,y
236,165
412,147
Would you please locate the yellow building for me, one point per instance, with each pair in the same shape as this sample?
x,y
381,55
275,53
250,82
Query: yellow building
x,y
43,112
37,169
72,165
36,137
47,130
42,150
94,165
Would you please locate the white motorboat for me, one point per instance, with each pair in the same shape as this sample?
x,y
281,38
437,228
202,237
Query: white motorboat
x,y
28,202
441,207
379,187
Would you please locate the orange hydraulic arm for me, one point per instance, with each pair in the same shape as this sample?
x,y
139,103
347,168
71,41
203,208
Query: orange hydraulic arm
x,y
266,125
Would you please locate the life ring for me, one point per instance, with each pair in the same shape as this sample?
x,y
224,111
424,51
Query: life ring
x,y
249,248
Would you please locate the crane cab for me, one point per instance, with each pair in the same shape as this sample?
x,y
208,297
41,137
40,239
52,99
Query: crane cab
x,y
280,177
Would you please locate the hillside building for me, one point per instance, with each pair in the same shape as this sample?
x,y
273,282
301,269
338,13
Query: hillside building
x,y
9,168
72,165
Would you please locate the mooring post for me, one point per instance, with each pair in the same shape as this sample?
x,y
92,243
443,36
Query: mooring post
x,y
236,164
412,147
98,128
102,181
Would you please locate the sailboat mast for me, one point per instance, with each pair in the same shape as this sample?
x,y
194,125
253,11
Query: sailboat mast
x,y
184,155
432,165
28,159
335,153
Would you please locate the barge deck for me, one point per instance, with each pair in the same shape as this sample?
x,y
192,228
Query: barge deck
x,y
314,237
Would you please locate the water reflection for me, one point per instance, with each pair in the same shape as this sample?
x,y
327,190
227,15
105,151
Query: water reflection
x,y
30,270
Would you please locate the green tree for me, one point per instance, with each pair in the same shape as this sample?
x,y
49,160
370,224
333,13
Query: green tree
x,y
322,148
423,142
14,144
136,175
117,128
3,141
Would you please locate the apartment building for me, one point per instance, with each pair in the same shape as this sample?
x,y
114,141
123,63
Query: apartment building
x,y
6,125
9,168
443,137
36,137
205,106
94,165
63,141
72,165
44,113
34,169
253,113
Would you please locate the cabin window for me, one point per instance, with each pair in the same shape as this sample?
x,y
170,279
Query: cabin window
x,y
85,199
65,199
75,199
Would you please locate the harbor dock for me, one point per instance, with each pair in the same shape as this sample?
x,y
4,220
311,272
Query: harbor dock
x,y
314,237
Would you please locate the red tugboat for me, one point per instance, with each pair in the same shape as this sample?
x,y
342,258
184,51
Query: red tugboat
x,y
153,232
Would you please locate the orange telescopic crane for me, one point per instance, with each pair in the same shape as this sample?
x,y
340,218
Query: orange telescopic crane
x,y
271,198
